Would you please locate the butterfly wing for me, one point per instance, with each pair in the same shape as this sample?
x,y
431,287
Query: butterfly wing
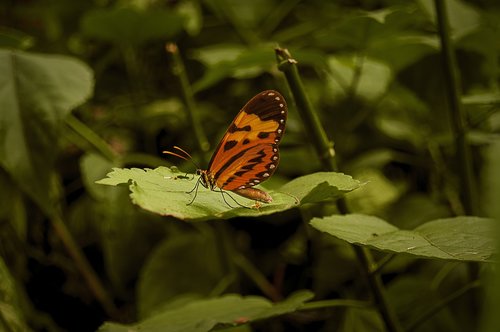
x,y
248,153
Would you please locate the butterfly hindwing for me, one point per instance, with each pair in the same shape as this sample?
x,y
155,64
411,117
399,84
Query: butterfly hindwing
x,y
248,153
254,166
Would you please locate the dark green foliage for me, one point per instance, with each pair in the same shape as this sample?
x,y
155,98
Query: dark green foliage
x,y
95,230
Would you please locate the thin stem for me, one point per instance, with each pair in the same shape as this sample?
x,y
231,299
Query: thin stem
x,y
188,96
326,154
90,136
434,309
83,265
324,147
336,303
456,113
382,263
265,286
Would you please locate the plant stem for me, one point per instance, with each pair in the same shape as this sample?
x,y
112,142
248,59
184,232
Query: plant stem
x,y
326,154
456,113
189,101
83,265
265,286
336,303
324,147
91,137
434,309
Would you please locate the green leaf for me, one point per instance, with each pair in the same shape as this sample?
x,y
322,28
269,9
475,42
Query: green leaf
x,y
37,92
321,186
203,315
131,26
460,238
165,191
11,313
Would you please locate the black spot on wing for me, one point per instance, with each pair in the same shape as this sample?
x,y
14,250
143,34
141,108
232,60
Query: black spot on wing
x,y
263,134
233,128
245,141
229,145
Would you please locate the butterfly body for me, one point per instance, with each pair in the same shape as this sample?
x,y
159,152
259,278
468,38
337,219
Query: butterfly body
x,y
248,154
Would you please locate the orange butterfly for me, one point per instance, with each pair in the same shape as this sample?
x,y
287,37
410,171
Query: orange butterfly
x,y
248,153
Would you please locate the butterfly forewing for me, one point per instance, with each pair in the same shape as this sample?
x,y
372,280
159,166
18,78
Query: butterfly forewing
x,y
248,153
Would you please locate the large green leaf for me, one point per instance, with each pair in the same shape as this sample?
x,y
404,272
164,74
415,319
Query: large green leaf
x,y
320,186
203,315
131,26
164,191
460,238
36,93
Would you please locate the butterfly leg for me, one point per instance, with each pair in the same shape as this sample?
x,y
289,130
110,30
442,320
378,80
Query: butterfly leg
x,y
195,189
234,200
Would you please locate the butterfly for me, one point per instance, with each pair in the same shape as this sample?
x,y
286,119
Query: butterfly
x,y
247,154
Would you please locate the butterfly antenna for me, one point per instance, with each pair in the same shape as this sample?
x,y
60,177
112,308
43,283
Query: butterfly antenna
x,y
186,155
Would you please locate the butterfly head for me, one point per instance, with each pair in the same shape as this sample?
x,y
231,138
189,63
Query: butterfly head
x,y
206,179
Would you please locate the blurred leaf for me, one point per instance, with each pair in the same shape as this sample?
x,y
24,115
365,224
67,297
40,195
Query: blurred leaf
x,y
10,38
94,167
329,254
483,98
411,297
11,313
203,315
164,191
362,320
460,238
246,14
37,91
192,15
402,115
233,61
291,160
401,51
372,82
462,17
380,15
165,276
132,26
415,209
378,193
167,114
484,40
